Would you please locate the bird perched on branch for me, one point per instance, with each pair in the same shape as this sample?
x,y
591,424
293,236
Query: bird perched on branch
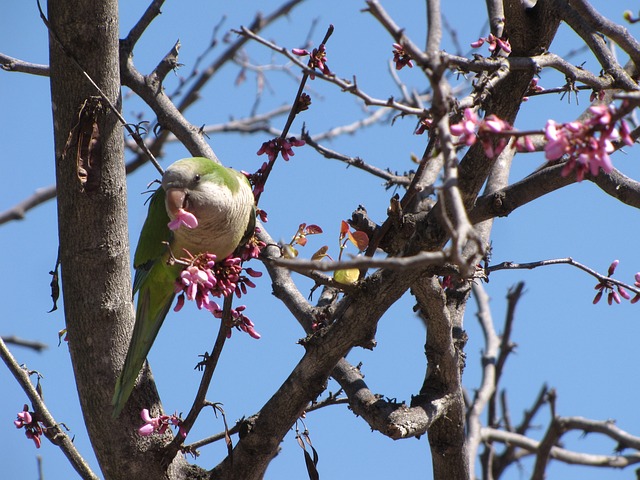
x,y
201,206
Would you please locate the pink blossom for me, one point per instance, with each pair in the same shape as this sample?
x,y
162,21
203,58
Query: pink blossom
x,y
183,219
160,424
586,144
271,148
240,321
637,285
557,144
534,87
493,132
204,277
425,125
601,114
467,127
179,303
286,146
625,133
495,124
493,144
317,59
614,291
258,178
280,145
24,418
401,57
33,429
495,44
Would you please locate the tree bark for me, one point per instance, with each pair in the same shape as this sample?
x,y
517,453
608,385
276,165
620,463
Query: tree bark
x,y
92,224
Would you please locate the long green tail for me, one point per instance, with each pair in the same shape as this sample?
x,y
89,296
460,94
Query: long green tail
x,y
155,297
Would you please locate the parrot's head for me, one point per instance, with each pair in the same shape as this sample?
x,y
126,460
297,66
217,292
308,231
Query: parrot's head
x,y
220,199
195,185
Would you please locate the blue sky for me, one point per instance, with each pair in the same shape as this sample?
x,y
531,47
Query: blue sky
x,y
588,353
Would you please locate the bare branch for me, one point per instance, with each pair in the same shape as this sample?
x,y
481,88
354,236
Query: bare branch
x,y
561,454
418,261
57,434
21,342
615,32
395,420
11,64
489,377
357,162
607,428
258,24
563,261
350,87
596,44
19,211
434,27
152,11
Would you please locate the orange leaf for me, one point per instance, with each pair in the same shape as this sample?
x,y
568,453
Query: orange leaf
x,y
359,239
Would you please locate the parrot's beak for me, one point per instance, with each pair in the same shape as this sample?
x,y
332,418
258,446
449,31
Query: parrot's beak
x,y
176,199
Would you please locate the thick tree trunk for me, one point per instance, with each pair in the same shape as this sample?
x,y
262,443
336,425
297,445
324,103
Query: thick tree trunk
x,y
92,219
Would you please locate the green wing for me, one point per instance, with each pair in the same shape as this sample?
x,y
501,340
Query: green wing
x,y
153,237
154,284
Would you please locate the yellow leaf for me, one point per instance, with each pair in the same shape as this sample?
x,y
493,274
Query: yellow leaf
x,y
289,252
346,277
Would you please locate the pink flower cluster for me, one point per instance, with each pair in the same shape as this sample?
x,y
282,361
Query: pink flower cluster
x,y
317,59
258,179
610,287
204,278
32,427
254,246
533,89
240,321
587,144
160,424
400,57
492,132
495,44
284,146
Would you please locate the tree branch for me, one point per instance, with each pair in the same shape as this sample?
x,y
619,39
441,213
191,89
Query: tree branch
x,y
489,382
11,64
561,454
21,342
54,432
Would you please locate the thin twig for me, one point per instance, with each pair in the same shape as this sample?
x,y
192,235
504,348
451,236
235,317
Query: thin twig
x,y
210,364
21,342
562,261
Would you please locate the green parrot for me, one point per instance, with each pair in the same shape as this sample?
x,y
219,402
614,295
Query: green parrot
x,y
223,205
